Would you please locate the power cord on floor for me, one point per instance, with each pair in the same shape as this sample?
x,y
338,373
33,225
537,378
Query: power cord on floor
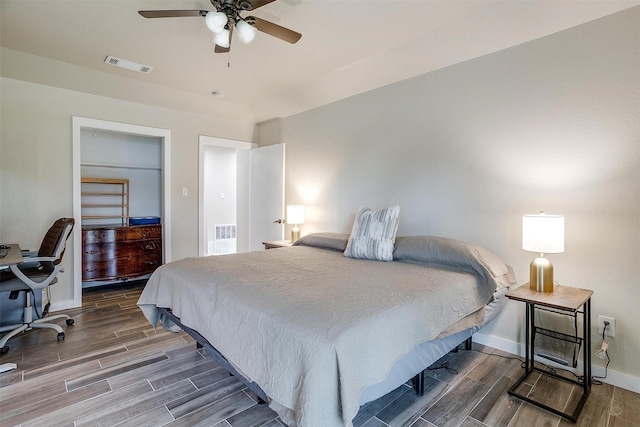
x,y
45,310
444,366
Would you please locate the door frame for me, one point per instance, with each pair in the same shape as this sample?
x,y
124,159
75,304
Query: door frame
x,y
210,141
79,123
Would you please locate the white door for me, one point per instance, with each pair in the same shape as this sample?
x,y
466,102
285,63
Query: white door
x,y
267,195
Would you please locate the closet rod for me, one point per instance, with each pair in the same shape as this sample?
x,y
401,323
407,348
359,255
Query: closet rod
x,y
105,165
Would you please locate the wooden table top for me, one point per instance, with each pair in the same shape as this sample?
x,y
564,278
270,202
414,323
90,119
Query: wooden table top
x,y
562,297
14,256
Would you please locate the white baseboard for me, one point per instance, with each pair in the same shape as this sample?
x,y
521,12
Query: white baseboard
x,y
63,305
615,378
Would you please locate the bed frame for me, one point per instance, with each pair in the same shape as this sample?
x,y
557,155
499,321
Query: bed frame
x,y
201,342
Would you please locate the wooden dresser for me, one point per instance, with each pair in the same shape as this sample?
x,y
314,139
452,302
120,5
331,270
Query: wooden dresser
x,y
115,252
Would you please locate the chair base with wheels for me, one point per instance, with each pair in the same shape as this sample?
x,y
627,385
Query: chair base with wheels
x,y
29,323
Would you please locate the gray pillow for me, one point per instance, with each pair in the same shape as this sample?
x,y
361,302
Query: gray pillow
x,y
373,234
454,254
332,241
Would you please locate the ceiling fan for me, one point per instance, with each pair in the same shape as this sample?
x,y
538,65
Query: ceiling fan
x,y
226,17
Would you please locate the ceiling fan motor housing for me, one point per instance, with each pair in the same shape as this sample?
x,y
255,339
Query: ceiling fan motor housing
x,y
232,8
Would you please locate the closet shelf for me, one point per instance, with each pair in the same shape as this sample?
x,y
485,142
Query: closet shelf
x,y
108,198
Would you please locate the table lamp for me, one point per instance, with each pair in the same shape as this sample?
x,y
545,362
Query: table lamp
x,y
295,216
543,234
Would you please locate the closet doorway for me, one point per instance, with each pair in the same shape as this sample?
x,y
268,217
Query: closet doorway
x,y
138,155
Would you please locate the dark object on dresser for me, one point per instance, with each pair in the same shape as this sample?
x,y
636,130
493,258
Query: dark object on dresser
x,y
115,252
144,220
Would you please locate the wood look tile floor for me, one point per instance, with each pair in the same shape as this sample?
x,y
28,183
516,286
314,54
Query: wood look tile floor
x,y
114,370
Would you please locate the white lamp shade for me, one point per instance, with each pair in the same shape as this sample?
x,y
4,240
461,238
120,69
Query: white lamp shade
x,y
295,214
246,32
543,233
222,38
216,21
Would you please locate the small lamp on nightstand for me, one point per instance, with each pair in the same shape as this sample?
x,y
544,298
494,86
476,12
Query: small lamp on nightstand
x,y
543,234
295,216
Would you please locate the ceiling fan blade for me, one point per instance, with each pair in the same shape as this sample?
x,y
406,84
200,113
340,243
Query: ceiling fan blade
x,y
276,30
171,13
259,3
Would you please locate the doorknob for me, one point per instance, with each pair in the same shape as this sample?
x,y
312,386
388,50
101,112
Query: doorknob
x,y
280,221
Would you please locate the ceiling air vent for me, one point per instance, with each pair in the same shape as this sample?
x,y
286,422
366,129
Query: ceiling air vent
x,y
127,65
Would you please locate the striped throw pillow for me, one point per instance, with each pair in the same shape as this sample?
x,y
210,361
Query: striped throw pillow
x,y
373,234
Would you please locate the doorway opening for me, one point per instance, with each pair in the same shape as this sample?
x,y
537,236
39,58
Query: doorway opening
x,y
241,193
162,137
223,195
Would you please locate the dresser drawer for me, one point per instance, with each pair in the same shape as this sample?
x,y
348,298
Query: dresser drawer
x,y
140,265
104,251
100,235
142,232
98,251
121,268
99,270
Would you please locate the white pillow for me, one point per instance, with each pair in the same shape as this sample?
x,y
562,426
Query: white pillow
x,y
373,234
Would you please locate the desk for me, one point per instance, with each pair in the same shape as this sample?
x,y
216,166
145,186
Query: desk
x,y
563,298
14,256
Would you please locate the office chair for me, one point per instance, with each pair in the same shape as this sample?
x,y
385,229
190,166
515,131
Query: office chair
x,y
36,274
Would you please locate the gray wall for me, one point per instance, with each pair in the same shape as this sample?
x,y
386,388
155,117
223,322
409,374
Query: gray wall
x,y
465,151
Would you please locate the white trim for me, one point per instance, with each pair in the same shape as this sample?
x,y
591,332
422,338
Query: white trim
x,y
165,137
618,379
205,141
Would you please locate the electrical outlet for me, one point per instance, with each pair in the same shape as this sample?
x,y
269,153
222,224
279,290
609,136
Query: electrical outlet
x,y
611,329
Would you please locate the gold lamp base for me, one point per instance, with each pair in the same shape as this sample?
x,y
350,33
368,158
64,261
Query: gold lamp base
x,y
295,234
541,275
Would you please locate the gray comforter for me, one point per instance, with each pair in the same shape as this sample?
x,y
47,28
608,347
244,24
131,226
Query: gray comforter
x,y
313,328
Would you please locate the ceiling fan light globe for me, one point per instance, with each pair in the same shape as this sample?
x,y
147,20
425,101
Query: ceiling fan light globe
x,y
246,32
222,38
216,21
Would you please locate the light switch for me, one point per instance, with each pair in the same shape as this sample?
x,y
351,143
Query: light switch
x,y
185,191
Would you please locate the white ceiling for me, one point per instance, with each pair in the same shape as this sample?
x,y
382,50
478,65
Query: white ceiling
x,y
347,47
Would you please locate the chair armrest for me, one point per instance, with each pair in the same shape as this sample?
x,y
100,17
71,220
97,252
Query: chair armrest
x,y
40,259
32,283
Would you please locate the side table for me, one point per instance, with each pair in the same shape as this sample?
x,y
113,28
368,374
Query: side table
x,y
565,299
273,244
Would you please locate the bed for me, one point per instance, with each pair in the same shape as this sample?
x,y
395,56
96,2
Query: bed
x,y
318,334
